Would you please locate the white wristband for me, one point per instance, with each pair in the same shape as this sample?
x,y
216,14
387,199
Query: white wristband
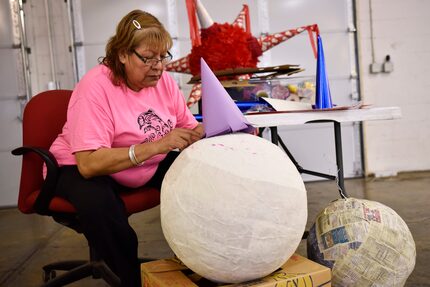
x,y
133,157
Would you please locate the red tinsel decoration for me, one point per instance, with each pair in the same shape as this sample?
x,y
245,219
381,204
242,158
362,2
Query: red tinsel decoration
x,y
224,46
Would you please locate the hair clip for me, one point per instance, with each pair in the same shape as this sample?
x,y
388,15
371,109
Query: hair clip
x,y
137,24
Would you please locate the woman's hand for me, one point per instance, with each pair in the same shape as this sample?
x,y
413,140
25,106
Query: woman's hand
x,y
200,129
178,138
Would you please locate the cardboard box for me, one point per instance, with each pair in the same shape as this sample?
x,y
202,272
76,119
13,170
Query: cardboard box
x,y
298,271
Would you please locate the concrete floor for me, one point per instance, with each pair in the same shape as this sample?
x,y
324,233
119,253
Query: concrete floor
x,y
30,241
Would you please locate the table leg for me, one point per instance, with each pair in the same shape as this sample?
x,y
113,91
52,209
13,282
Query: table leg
x,y
339,159
274,135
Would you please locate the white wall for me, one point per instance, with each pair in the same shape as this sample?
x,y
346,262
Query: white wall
x,y
400,29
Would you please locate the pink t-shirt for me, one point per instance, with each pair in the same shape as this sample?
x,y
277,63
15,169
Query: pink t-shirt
x,y
102,115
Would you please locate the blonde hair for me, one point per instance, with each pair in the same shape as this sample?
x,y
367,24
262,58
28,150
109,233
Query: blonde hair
x,y
135,28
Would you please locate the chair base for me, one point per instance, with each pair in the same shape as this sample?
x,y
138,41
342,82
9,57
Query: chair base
x,y
77,270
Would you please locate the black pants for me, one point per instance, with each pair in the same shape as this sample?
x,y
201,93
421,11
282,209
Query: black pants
x,y
103,217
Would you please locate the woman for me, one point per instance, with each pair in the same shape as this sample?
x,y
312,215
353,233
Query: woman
x,y
124,116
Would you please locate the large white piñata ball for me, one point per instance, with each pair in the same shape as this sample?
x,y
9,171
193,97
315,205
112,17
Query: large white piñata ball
x,y
233,207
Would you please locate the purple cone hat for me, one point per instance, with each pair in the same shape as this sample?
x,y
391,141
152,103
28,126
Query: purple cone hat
x,y
322,93
220,114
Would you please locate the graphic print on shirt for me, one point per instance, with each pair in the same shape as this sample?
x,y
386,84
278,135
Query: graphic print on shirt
x,y
153,126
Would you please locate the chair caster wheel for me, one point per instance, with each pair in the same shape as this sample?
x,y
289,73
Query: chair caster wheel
x,y
49,275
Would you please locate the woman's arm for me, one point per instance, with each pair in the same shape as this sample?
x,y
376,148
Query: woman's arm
x,y
106,161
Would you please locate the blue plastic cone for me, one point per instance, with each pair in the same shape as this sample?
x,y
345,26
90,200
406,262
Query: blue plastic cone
x,y
322,95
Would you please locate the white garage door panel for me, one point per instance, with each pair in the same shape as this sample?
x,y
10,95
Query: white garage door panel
x,y
298,50
92,53
9,176
8,79
10,125
328,14
100,17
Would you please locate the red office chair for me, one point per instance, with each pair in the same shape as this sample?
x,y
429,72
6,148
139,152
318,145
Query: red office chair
x,y
44,117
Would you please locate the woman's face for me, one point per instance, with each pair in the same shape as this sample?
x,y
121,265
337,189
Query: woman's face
x,y
141,67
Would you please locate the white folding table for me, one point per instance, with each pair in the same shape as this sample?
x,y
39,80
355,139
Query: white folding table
x,y
274,119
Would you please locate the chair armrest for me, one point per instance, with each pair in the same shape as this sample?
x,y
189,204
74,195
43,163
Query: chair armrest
x,y
47,190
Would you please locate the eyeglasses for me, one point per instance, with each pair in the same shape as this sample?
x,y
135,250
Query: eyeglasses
x,y
154,61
